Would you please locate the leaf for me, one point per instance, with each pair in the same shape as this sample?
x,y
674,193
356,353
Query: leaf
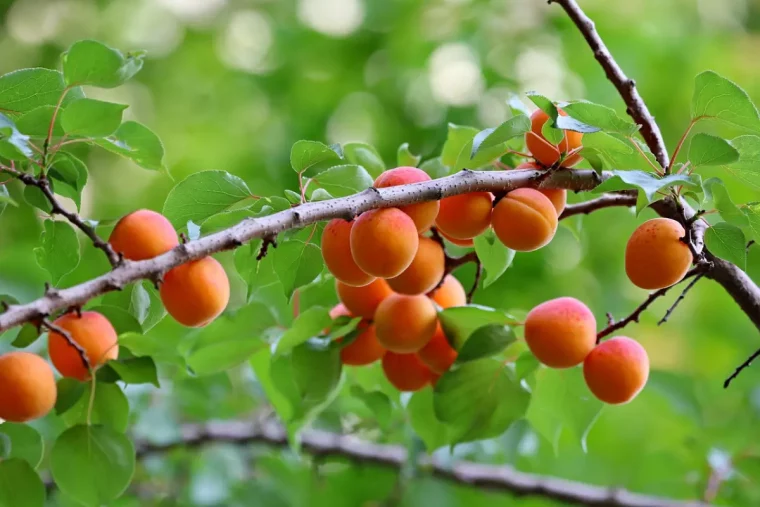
x,y
753,217
88,62
366,156
5,199
405,158
551,133
727,242
316,372
377,401
570,123
13,144
709,150
69,392
460,321
648,184
92,118
37,122
342,180
25,443
28,335
203,195
717,97
435,168
493,255
92,464
613,151
526,364
219,357
136,142
599,116
136,370
306,154
723,203
544,104
122,321
486,341
297,264
307,325
269,374
69,176
109,408
20,486
422,418
23,90
496,137
59,253
747,168
457,143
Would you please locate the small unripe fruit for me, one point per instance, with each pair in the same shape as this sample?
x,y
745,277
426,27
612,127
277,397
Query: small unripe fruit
x,y
457,242
450,293
93,333
438,355
425,271
465,216
143,234
423,214
365,349
616,370
27,387
542,150
336,251
196,293
655,256
524,220
383,242
560,332
558,196
363,301
405,371
405,324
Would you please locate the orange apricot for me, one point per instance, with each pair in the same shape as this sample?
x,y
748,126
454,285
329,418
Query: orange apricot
x,y
363,301
450,293
425,271
524,220
405,324
438,354
560,332
465,216
93,333
336,251
457,242
558,196
655,256
365,349
27,387
616,370
405,371
422,213
384,242
143,234
196,293
545,152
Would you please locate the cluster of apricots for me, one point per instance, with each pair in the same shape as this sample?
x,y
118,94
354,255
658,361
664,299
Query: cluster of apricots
x,y
194,294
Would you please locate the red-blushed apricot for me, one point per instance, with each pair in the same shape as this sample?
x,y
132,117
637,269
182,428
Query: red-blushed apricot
x,y
27,387
143,234
336,251
560,332
196,293
655,256
438,355
558,196
422,213
363,301
383,242
365,349
450,293
616,370
465,216
524,220
405,324
457,242
545,152
93,333
405,371
425,271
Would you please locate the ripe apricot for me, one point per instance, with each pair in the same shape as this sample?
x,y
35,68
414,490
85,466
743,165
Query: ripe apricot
x,y
405,371
457,242
616,370
422,213
438,355
405,324
545,152
27,387
560,332
363,301
558,196
143,234
524,220
384,242
655,256
450,293
425,271
365,349
91,331
336,251
196,293
465,216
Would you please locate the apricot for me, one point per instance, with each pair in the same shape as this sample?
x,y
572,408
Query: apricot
x,y
405,371
438,355
450,293
616,370
93,333
196,293
365,349
655,256
27,387
425,271
405,324
558,196
143,234
524,220
542,150
457,242
336,251
560,332
423,214
363,301
384,242
465,216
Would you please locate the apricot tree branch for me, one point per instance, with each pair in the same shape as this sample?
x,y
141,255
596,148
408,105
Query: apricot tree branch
x,y
624,198
476,281
680,298
741,367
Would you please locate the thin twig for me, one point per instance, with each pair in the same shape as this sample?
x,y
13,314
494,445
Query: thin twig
x,y
680,298
741,367
476,282
625,198
58,330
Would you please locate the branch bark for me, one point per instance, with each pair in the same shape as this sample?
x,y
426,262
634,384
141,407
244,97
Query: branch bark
x,y
625,198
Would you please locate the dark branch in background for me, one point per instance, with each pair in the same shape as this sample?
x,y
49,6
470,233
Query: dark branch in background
x,y
680,298
624,198
741,367
476,281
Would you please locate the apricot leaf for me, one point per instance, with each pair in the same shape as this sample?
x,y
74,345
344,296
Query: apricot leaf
x,y
422,417
203,195
136,370
747,168
69,392
493,255
306,154
456,144
20,486
366,156
37,122
109,408
13,144
727,242
24,442
91,118
377,402
459,322
723,203
498,136
297,264
405,158
24,90
717,97
59,253
88,62
486,341
709,150
599,116
342,180
310,323
136,142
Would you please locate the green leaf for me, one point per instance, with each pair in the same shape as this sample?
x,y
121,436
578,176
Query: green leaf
x,y
366,156
219,357
342,180
23,90
92,464
570,123
13,144
599,116
306,154
69,174
405,158
459,322
120,318
297,264
136,370
316,372
433,432
28,335
92,118
753,217
747,168
88,62
551,133
202,195
717,97
69,392
307,325
109,408
25,443
723,203
37,122
544,104
493,255
709,150
486,341
59,253
614,152
273,375
136,142
20,486
647,183
293,197
727,242
5,199
497,137
526,364
435,168
457,144
377,401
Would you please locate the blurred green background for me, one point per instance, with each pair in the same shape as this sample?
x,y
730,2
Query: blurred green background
x,y
231,84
